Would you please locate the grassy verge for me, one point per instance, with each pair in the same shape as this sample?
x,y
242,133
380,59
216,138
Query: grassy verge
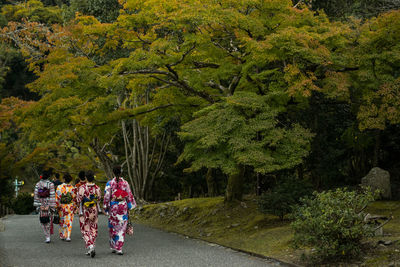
x,y
239,226
380,255
243,227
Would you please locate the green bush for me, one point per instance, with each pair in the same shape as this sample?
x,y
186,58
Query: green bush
x,y
23,204
332,223
280,200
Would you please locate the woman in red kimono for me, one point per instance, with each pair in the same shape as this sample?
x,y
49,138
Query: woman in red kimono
x,y
118,200
88,199
82,181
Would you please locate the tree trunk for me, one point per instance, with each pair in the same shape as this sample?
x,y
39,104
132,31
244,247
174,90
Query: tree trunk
x,y
144,155
211,183
105,161
234,189
377,147
300,172
258,185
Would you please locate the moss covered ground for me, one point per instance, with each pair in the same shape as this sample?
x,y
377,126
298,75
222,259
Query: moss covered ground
x,y
241,226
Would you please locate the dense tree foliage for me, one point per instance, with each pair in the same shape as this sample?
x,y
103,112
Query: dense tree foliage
x,y
200,96
103,10
342,9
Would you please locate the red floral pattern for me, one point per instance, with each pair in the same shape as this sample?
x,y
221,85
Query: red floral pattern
x,y
89,217
117,210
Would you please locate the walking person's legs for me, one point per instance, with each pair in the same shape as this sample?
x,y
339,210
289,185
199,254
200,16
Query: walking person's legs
x,y
61,229
69,221
46,231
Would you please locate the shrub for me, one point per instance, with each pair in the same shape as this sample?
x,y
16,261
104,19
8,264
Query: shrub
x,y
283,197
332,222
23,204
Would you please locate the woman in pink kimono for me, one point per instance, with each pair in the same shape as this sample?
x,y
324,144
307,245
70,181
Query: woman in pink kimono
x,y
65,200
88,199
118,200
45,203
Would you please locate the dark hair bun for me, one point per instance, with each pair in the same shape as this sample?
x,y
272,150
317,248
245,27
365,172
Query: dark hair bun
x,y
46,174
90,176
67,177
117,170
81,175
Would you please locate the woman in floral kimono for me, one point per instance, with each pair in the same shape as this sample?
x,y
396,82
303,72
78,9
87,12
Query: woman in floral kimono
x,y
88,198
118,200
65,200
45,203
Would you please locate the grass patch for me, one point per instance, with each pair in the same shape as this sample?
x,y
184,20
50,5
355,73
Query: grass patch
x,y
242,226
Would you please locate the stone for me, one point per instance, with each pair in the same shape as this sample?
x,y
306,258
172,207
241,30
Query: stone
x,y
379,232
235,225
378,178
388,242
213,212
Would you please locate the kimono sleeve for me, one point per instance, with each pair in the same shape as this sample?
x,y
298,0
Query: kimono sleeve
x,y
52,199
107,196
58,195
130,200
79,195
98,193
74,194
36,201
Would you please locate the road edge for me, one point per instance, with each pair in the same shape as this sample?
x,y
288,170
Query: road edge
x,y
283,263
2,225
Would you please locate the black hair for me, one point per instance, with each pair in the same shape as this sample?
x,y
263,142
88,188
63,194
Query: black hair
x,y
90,176
57,175
82,175
117,171
46,174
67,177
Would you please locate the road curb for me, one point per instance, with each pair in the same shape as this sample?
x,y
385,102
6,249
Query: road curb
x,y
282,263
2,226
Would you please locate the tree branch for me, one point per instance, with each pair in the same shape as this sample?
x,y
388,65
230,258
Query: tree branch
x,y
200,65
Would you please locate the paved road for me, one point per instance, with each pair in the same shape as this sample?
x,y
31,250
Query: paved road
x,y
22,244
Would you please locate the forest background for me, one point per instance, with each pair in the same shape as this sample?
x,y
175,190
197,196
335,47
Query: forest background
x,y
200,98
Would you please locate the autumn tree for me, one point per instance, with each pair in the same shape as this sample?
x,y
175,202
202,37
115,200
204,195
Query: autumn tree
x,y
238,75
10,154
202,53
376,81
241,131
